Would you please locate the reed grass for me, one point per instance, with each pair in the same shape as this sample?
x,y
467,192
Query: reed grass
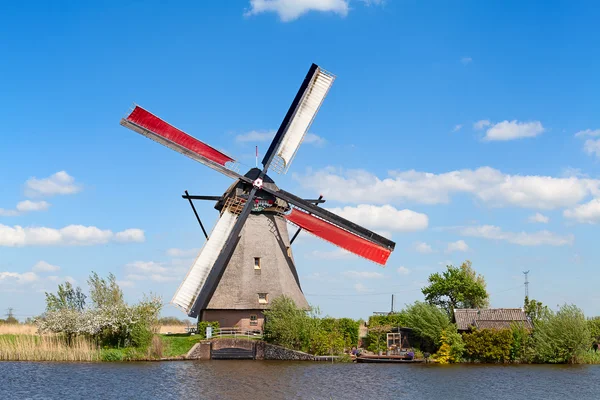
x,y
46,348
172,329
18,329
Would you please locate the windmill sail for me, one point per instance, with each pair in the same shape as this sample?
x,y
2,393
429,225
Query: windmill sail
x,y
340,237
151,126
192,284
297,121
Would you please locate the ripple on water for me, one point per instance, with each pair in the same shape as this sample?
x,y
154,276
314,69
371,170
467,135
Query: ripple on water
x,y
294,380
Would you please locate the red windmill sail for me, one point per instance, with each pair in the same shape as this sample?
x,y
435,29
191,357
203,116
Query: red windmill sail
x,y
340,237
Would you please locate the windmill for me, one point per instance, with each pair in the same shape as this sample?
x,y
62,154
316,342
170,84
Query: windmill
x,y
247,258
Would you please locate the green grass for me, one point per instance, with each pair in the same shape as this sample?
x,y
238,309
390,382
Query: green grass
x,y
590,357
178,344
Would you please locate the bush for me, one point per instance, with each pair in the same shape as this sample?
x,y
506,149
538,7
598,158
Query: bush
x,y
522,350
562,337
452,347
292,327
489,345
141,335
202,325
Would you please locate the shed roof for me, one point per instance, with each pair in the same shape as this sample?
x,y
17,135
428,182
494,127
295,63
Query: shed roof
x,y
491,318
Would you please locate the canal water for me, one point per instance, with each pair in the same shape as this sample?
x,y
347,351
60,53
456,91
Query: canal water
x,y
242,380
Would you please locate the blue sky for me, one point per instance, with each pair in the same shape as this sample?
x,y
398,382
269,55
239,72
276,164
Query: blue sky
x,y
465,131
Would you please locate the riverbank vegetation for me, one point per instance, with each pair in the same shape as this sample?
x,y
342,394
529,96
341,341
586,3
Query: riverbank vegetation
x,y
562,336
292,327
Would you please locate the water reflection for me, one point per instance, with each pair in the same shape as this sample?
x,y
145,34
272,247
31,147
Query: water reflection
x,y
294,380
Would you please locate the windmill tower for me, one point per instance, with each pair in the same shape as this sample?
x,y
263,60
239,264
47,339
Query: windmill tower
x,y
246,260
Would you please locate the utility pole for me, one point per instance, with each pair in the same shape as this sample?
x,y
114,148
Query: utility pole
x,y
526,273
392,304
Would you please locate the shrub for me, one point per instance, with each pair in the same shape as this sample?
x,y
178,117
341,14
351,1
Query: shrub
x,y
202,325
452,347
562,337
141,335
488,345
521,350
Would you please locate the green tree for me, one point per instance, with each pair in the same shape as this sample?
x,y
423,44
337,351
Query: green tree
x,y
562,337
535,309
66,297
457,287
594,328
427,322
105,292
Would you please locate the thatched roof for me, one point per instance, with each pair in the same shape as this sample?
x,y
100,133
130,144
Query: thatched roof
x,y
490,318
264,236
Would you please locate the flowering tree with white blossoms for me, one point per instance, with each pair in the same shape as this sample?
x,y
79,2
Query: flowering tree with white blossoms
x,y
108,320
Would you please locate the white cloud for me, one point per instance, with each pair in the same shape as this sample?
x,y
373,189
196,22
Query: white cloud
x,y
466,60
163,278
383,217
43,266
72,235
130,235
585,213
26,277
125,284
267,136
588,132
370,3
592,147
59,183
459,245
336,254
255,136
24,207
539,218
182,253
360,288
423,248
520,238
289,10
479,125
488,185
311,138
457,128
28,205
8,213
403,271
363,274
146,266
510,130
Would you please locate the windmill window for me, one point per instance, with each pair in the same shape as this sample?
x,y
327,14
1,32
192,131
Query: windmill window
x,y
256,262
253,320
263,298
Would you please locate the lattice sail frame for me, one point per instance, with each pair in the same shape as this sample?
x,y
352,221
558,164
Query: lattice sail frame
x,y
303,118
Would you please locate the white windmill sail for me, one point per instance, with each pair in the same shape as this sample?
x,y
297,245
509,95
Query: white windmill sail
x,y
305,113
192,284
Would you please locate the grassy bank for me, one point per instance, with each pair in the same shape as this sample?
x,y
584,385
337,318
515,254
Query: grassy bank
x,y
22,344
46,348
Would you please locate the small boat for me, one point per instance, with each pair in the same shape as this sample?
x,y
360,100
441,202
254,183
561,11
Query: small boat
x,y
387,359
